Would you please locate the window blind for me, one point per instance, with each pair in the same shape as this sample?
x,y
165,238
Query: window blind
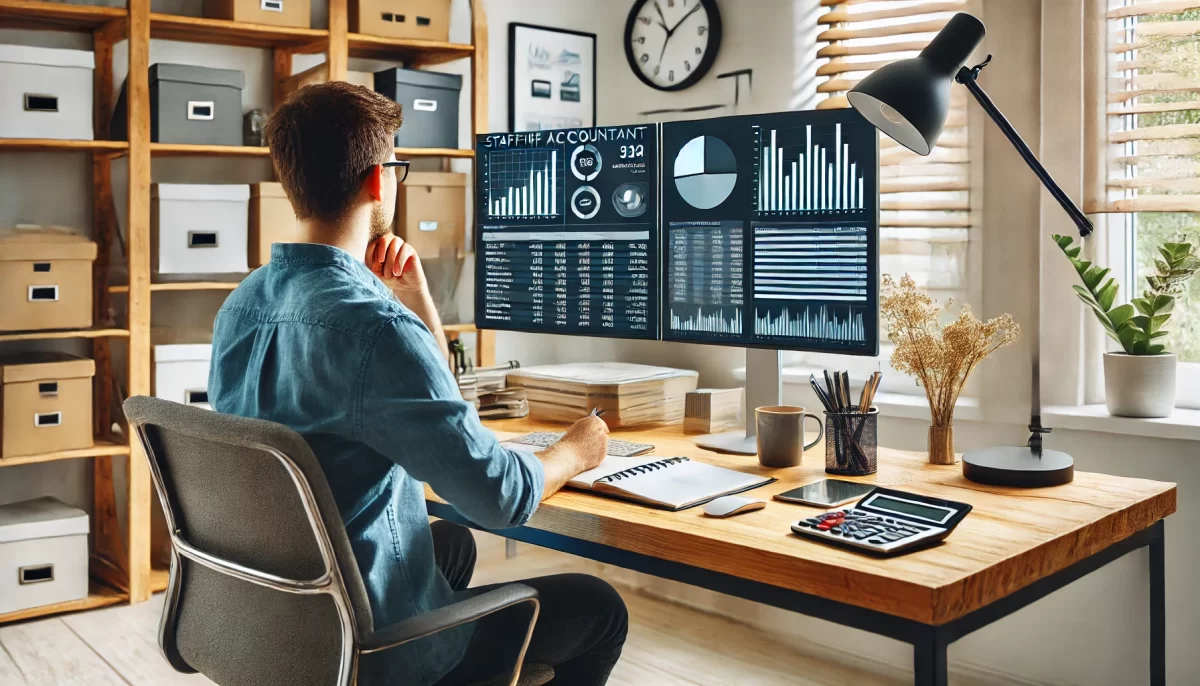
x,y
1150,100
925,202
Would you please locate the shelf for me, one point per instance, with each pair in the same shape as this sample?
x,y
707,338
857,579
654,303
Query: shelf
x,y
99,595
101,448
199,30
51,144
184,149
435,152
182,286
408,50
45,16
159,578
68,333
459,328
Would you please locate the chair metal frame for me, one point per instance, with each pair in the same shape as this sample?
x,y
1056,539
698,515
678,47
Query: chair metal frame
x,y
329,583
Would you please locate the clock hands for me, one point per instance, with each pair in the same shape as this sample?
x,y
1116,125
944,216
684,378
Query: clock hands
x,y
690,13
662,21
670,31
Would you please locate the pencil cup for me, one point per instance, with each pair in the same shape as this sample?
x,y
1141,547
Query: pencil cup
x,y
851,442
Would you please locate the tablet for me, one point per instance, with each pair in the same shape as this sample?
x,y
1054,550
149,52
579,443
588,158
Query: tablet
x,y
826,493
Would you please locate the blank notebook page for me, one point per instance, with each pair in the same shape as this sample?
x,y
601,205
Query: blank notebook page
x,y
682,484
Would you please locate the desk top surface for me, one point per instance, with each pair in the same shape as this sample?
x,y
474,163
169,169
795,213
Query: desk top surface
x,y
1011,538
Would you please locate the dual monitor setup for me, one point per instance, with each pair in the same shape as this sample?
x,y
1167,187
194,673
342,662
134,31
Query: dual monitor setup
x,y
758,231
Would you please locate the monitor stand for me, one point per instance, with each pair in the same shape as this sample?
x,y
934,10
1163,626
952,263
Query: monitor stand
x,y
764,386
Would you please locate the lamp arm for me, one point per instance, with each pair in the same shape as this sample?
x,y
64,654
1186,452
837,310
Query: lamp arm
x,y
968,77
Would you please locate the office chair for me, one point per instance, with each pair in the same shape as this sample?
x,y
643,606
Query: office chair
x,y
264,588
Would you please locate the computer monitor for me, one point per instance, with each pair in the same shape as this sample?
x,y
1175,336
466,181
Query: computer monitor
x,y
771,232
567,234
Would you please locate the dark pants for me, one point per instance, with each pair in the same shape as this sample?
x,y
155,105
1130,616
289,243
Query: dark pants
x,y
580,627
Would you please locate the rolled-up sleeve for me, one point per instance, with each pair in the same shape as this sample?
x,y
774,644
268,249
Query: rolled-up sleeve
x,y
412,412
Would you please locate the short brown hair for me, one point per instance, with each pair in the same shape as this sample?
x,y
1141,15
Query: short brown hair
x,y
323,138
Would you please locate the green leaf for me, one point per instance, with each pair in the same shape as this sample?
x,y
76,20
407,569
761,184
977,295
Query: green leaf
x,y
1063,242
1141,348
1119,315
1156,349
1159,334
1163,304
1143,305
1128,336
1093,276
1157,322
1141,322
1107,295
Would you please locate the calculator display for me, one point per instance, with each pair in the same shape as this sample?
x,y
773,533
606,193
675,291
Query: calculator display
x,y
930,513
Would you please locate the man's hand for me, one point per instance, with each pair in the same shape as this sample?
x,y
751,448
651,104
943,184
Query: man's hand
x,y
397,265
582,448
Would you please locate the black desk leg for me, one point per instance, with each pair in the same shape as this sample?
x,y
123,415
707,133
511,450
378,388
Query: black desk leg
x,y
1158,608
929,659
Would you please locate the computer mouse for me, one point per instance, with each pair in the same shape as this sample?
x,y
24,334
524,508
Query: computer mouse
x,y
730,505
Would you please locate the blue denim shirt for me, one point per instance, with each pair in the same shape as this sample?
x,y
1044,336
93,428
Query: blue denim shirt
x,y
314,341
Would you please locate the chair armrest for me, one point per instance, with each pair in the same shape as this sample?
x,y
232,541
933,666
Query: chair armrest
x,y
462,612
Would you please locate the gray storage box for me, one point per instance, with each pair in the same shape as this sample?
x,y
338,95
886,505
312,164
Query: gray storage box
x,y
46,93
43,554
190,105
430,101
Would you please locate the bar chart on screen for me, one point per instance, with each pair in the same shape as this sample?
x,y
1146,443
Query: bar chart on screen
x,y
525,183
808,170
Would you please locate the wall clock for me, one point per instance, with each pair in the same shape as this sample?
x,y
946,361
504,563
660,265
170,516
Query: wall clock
x,y
671,44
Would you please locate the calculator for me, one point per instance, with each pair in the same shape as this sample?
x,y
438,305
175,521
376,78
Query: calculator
x,y
886,522
545,439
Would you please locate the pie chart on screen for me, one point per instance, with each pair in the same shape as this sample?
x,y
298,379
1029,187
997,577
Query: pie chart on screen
x,y
705,172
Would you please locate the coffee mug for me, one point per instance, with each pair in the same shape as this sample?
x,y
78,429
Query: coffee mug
x,y
780,433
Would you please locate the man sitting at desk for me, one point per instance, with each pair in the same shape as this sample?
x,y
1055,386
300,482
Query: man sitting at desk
x,y
338,338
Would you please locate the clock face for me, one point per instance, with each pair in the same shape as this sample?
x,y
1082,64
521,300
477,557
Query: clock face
x,y
670,44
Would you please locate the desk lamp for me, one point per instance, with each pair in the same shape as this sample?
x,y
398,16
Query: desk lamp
x,y
908,100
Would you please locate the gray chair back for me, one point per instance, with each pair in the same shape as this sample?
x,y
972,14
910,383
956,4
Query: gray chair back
x,y
264,589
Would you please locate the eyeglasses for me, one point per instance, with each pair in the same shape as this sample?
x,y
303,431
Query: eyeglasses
x,y
401,169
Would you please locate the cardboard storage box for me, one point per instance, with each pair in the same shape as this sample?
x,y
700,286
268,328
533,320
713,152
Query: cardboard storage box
x,y
46,403
45,279
43,554
295,13
320,74
431,212
47,93
181,373
424,19
272,220
199,228
190,104
430,101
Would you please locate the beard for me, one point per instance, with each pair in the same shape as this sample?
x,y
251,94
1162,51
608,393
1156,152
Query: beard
x,y
381,219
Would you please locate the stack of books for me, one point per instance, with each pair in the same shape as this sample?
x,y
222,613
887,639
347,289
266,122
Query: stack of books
x,y
629,394
712,410
505,403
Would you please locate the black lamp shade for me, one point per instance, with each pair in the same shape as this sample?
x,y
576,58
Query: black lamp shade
x,y
908,100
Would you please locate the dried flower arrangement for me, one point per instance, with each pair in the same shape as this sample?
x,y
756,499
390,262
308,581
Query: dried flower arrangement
x,y
940,357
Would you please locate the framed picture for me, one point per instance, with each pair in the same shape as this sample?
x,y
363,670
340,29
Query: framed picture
x,y
551,78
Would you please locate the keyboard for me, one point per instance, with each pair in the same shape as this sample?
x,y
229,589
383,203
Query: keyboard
x,y
545,439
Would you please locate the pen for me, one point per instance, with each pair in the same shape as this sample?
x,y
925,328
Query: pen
x,y
596,412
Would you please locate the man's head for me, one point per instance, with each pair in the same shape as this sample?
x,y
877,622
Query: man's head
x,y
327,142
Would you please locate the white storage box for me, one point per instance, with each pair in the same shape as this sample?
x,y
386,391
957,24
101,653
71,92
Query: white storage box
x,y
199,228
43,554
181,373
47,92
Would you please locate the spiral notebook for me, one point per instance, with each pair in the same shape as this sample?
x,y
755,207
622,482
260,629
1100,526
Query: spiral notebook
x,y
673,483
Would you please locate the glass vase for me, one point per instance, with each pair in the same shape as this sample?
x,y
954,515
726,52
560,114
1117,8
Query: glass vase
x,y
941,445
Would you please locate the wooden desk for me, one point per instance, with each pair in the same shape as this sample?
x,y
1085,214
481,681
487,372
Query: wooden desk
x,y
1015,546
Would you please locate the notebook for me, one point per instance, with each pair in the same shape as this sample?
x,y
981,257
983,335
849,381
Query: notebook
x,y
672,483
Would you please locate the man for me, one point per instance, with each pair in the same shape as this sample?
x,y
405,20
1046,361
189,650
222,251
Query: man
x,y
338,338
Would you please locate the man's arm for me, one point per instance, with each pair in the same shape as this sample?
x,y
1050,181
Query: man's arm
x,y
399,267
423,306
582,448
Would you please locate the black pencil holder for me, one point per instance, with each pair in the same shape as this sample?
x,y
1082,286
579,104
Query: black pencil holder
x,y
851,442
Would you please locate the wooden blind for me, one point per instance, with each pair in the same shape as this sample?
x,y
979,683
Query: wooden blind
x,y
925,202
1151,106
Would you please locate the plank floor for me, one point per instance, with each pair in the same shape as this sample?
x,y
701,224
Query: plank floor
x,y
668,645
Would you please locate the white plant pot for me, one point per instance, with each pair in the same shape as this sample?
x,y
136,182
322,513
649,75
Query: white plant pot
x,y
1139,385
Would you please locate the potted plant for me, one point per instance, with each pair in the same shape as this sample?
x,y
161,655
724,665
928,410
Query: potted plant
x,y
1140,381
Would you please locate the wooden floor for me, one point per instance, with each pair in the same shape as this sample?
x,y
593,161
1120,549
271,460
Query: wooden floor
x,y
668,645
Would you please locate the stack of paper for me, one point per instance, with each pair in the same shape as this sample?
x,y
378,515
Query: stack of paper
x,y
629,394
506,403
712,410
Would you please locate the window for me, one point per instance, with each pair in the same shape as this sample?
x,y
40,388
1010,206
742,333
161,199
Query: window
x,y
926,215
1151,169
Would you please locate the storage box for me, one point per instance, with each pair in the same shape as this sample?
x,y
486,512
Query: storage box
x,y
430,101
45,279
431,212
424,19
46,403
47,93
190,105
199,228
272,220
43,554
181,373
275,12
320,74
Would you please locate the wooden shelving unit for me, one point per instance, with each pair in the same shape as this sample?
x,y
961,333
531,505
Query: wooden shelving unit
x,y
122,568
